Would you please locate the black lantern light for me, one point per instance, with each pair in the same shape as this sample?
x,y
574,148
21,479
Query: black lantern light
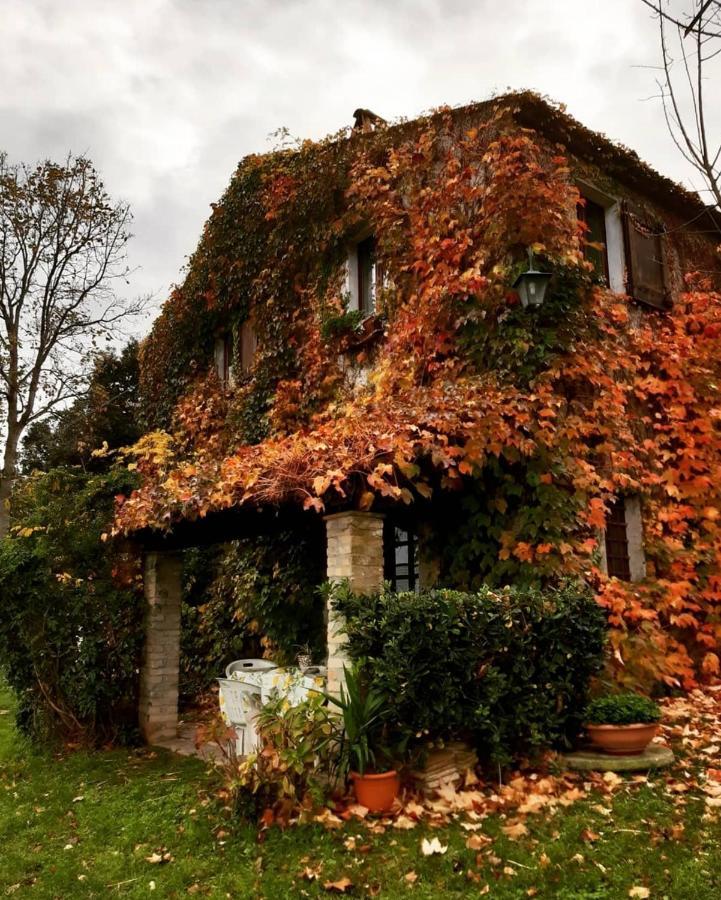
x,y
531,284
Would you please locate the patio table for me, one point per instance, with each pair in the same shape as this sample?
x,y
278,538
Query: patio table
x,y
260,687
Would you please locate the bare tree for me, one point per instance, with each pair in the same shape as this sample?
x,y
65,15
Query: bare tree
x,y
690,43
62,247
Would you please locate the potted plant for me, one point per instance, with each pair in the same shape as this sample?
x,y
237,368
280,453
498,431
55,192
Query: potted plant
x,y
366,751
304,657
622,724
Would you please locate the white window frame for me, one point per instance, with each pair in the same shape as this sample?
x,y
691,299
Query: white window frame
x,y
634,539
351,279
615,245
220,355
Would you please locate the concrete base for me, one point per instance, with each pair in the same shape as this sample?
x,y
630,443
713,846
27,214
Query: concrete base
x,y
655,756
445,766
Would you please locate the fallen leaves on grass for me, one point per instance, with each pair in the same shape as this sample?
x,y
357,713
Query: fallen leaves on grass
x,y
159,856
338,887
478,841
432,847
514,830
640,892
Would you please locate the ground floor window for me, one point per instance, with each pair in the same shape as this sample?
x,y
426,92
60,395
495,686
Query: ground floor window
x,y
400,546
618,560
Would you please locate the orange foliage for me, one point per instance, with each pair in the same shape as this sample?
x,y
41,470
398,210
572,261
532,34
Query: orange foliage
x,y
627,406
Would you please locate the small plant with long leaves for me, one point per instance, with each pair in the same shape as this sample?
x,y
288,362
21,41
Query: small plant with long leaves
x,y
369,741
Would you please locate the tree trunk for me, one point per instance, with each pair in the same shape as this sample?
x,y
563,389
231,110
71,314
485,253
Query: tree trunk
x,y
7,480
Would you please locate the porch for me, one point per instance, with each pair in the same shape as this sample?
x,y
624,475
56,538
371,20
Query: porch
x,y
354,551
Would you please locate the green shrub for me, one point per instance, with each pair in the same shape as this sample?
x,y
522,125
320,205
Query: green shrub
x,y
622,709
71,612
509,668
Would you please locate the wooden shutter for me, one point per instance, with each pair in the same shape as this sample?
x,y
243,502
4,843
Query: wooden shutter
x,y
248,344
645,258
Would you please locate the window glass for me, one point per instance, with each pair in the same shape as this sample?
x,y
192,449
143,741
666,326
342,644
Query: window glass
x,y
401,557
593,215
366,276
617,557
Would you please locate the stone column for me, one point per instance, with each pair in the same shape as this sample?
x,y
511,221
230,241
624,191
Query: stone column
x,y
355,553
158,709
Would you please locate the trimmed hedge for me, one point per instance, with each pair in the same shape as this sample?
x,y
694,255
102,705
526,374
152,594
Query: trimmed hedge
x,y
509,668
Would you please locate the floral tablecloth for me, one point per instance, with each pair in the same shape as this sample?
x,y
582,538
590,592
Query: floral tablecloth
x,y
289,682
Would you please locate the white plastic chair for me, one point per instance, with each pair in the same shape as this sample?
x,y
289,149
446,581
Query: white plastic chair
x,y
236,701
249,665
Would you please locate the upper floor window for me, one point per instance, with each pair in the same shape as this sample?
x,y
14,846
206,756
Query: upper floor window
x,y
363,277
400,550
595,249
233,358
224,358
646,276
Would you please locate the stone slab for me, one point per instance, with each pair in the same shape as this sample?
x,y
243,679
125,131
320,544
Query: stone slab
x,y
655,756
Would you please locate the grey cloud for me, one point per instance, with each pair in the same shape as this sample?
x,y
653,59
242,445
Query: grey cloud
x,y
167,95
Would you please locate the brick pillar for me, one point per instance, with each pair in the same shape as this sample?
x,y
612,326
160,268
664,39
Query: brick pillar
x,y
355,552
158,709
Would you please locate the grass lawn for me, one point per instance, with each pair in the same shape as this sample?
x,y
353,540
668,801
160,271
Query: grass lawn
x,y
84,825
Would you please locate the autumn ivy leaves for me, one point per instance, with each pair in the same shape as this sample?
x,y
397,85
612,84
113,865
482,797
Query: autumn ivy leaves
x,y
575,398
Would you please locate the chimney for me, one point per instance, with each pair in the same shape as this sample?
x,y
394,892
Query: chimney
x,y
366,121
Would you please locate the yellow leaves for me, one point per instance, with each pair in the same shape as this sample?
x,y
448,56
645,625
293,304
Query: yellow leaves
x,y
366,499
27,530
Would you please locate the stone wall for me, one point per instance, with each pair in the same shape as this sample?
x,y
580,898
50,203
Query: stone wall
x,y
355,553
158,710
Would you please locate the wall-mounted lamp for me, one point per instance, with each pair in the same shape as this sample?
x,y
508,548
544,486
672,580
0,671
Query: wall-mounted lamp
x,y
531,284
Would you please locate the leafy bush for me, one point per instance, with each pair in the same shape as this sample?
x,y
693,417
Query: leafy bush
x,y
289,772
622,709
71,611
509,668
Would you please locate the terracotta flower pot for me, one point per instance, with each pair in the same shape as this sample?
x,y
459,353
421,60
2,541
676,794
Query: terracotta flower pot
x,y
622,740
376,792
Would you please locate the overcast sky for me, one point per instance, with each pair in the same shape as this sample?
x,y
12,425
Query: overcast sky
x,y
167,95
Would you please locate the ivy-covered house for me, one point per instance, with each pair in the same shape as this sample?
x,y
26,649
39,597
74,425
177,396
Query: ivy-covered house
x,y
357,353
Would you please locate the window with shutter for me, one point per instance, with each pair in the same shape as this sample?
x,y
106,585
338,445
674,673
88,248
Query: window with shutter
x,y
367,276
593,216
224,358
645,259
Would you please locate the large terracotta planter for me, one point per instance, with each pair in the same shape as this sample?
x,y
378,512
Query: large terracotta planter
x,y
376,792
622,740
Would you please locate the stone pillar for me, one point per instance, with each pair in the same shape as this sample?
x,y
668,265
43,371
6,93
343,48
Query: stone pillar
x,y
158,709
355,553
